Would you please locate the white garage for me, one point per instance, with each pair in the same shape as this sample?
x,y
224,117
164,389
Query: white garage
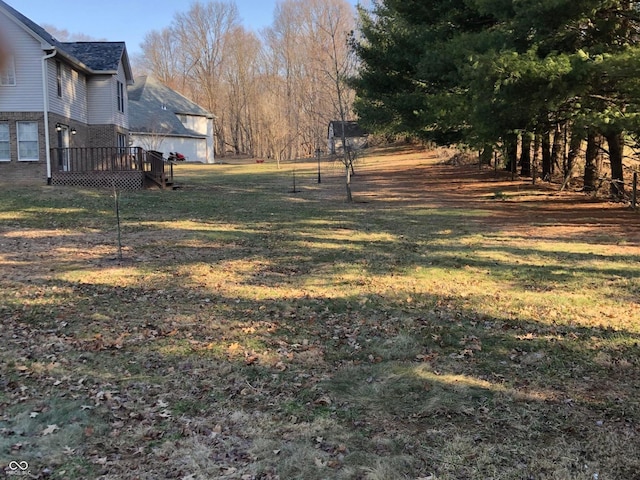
x,y
161,119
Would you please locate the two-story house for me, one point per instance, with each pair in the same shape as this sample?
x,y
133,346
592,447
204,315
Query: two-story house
x,y
55,95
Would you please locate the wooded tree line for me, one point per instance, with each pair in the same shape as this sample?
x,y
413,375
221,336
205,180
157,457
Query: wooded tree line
x,y
274,92
556,79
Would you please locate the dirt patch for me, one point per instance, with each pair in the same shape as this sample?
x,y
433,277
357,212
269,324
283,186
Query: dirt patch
x,y
515,206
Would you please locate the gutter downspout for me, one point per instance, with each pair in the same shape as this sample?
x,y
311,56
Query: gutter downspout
x,y
45,96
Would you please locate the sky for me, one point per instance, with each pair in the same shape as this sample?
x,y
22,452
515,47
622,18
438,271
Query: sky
x,y
128,20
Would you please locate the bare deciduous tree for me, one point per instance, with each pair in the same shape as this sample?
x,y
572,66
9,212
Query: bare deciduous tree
x,y
63,35
163,58
272,95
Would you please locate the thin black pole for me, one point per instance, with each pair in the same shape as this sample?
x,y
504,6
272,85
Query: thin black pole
x,y
634,201
318,157
117,206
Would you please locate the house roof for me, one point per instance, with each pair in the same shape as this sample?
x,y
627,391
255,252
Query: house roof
x,y
153,108
93,57
351,129
98,56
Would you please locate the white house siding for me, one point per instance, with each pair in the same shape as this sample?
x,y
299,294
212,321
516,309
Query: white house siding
x,y
26,95
194,149
203,125
121,118
73,103
196,123
209,143
102,100
191,148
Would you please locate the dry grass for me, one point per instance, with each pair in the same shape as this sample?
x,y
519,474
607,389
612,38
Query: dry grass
x,y
431,329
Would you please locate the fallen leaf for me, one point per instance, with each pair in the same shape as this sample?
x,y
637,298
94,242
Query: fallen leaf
x,y
251,359
324,400
234,348
50,429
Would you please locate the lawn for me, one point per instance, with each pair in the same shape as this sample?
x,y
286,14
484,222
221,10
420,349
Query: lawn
x,y
448,324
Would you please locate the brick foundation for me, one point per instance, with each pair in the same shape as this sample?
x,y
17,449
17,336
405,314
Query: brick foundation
x,y
23,172
35,172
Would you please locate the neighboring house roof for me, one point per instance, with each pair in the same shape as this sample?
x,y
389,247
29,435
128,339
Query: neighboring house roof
x,y
153,109
92,57
351,129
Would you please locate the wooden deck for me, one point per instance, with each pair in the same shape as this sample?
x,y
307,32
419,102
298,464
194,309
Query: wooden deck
x,y
128,168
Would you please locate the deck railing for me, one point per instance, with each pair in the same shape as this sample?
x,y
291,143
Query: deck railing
x,y
155,168
97,159
118,160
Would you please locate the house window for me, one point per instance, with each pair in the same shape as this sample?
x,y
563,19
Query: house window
x,y
28,146
5,146
120,95
8,73
59,78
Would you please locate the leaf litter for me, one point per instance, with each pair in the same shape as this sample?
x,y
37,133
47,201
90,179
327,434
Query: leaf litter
x,y
150,372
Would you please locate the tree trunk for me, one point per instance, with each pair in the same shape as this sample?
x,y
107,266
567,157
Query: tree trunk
x,y
546,156
556,150
511,151
486,154
615,141
348,184
574,148
536,157
593,161
525,156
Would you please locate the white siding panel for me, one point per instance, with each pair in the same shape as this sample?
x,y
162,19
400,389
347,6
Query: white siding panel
x,y
122,118
79,107
101,91
210,147
102,100
26,95
195,149
203,125
73,103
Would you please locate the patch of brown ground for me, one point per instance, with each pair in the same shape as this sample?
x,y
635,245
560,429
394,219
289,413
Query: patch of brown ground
x,y
512,206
